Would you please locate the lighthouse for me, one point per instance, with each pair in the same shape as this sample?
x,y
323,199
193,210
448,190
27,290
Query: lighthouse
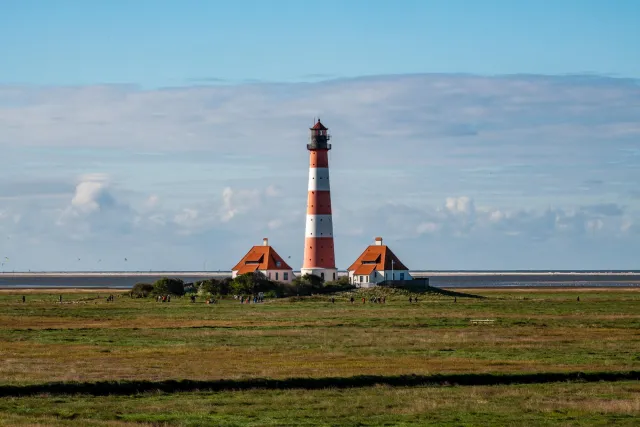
x,y
319,257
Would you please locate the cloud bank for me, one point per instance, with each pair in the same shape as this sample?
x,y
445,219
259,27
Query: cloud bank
x,y
455,171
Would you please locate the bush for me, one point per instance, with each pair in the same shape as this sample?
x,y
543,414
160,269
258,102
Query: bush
x,y
142,289
167,286
337,286
213,286
252,283
307,284
271,294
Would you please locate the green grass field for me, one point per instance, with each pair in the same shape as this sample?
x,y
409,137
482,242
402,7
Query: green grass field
x,y
86,339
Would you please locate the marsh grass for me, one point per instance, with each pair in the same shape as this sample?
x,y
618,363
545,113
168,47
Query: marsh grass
x,y
532,405
539,330
88,339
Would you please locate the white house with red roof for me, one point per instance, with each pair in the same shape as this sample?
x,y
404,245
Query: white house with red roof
x,y
377,264
264,259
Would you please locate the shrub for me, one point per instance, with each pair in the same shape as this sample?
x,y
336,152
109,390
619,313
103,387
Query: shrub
x,y
271,294
337,286
167,285
252,283
307,284
142,289
213,286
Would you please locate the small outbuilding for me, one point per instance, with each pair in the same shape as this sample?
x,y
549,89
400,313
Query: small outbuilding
x,y
264,259
377,264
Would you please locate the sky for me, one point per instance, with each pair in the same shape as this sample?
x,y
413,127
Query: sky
x,y
172,135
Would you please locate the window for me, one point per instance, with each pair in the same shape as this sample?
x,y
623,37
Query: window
x,y
366,279
334,276
322,276
269,275
285,276
276,275
401,276
278,263
361,279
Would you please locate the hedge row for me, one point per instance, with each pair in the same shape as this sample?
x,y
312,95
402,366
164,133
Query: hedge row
x,y
172,386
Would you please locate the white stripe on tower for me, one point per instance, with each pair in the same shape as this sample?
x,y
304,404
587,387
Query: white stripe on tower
x,y
318,226
319,179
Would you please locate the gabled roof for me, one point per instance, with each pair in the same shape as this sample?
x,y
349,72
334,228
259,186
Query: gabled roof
x,y
378,256
261,258
318,126
247,268
365,269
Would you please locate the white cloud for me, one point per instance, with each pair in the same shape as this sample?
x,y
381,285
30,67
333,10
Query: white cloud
x,y
416,159
428,227
152,202
460,205
274,224
92,194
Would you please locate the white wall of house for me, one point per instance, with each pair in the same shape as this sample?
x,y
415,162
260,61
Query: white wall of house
x,y
376,277
328,274
363,280
285,276
397,275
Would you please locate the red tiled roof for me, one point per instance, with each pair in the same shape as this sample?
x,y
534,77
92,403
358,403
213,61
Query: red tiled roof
x,y
261,258
371,257
382,256
319,126
247,268
365,269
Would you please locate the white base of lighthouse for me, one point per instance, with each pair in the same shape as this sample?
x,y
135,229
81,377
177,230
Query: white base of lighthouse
x,y
328,274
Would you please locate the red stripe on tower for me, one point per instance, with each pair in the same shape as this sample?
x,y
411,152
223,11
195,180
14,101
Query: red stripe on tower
x,y
319,256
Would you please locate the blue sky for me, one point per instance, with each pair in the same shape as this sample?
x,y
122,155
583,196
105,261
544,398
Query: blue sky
x,y
470,135
166,43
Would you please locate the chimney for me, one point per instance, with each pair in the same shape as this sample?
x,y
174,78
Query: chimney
x,y
265,242
378,241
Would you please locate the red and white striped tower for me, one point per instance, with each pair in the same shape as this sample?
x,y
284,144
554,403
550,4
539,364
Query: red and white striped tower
x,y
319,258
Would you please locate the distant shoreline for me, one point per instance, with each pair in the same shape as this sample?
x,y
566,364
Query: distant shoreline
x,y
531,288
420,273
440,279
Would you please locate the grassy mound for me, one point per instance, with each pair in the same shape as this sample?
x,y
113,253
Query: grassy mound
x,y
409,291
395,293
